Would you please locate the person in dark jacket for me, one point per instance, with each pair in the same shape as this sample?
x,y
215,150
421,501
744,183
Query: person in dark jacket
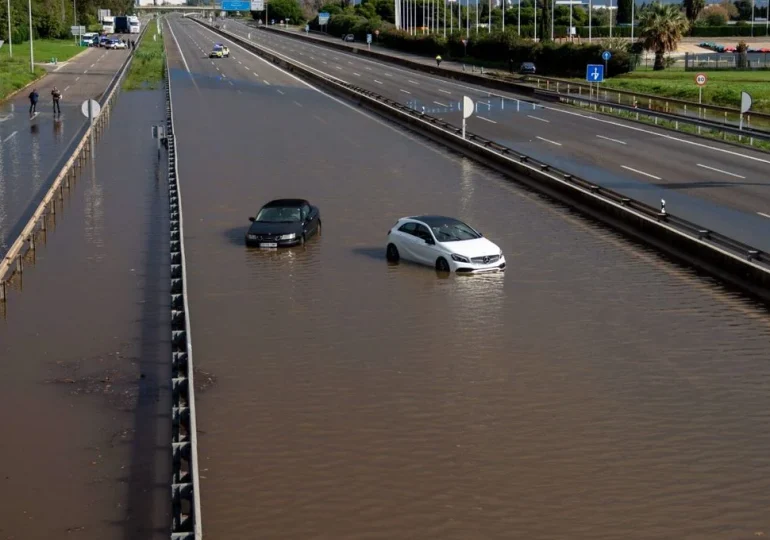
x,y
33,96
56,95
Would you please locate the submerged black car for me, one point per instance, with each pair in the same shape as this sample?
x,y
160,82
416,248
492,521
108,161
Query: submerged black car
x,y
282,223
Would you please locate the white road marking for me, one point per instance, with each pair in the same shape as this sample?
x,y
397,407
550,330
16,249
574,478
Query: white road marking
x,y
548,140
298,104
184,61
367,67
378,82
720,171
240,62
610,139
92,65
493,122
86,71
356,74
413,82
66,88
77,79
445,91
231,83
267,82
641,172
760,213
388,74
338,67
405,91
325,62
349,62
440,104
8,138
541,119
281,91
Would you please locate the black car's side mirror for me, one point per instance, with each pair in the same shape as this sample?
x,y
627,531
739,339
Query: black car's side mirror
x,y
251,219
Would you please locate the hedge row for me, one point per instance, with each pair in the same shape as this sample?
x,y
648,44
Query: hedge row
x,y
724,31
563,60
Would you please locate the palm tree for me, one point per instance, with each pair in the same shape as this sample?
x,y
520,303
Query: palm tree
x,y
662,27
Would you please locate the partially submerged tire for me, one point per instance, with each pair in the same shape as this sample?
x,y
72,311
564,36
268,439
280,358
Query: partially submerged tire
x,y
391,253
442,265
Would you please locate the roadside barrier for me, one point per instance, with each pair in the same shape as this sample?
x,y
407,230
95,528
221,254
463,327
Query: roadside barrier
x,y
738,264
185,490
68,167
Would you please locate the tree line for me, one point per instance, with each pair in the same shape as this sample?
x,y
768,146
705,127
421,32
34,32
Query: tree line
x,y
53,18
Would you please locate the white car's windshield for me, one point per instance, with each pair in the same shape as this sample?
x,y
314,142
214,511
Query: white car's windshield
x,y
453,232
278,215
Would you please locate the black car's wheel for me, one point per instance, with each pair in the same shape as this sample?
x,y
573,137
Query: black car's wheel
x,y
318,229
391,253
302,240
442,265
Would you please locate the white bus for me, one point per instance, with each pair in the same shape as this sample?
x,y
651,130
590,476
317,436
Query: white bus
x,y
108,25
133,24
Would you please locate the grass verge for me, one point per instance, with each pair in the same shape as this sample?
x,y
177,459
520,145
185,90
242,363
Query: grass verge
x,y
146,72
15,72
723,87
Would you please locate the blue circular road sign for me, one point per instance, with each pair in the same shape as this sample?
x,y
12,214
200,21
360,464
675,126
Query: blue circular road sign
x,y
606,55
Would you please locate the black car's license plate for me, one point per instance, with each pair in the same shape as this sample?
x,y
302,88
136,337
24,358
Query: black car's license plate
x,y
268,245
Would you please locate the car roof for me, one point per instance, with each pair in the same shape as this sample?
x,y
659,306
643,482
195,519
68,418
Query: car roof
x,y
435,221
286,203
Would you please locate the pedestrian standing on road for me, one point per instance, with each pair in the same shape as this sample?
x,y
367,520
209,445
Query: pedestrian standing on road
x,y
438,60
56,95
33,101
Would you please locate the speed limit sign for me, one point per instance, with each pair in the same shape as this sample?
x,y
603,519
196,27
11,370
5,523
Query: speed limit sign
x,y
700,79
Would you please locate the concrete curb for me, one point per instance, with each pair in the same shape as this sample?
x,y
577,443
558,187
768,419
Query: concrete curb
x,y
739,265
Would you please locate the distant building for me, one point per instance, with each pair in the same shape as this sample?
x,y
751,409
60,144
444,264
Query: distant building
x,y
161,2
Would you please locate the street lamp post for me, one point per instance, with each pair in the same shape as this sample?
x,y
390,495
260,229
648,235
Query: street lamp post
x,y
633,5
10,39
31,39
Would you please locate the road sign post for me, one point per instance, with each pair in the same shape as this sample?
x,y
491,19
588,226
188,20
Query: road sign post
x,y
90,109
369,41
746,103
467,110
606,55
700,80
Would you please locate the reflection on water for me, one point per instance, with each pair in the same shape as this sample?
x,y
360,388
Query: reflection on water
x,y
93,224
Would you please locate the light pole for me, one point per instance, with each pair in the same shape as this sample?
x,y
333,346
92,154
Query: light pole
x,y
590,13
503,16
633,5
519,23
10,39
610,18
553,16
31,39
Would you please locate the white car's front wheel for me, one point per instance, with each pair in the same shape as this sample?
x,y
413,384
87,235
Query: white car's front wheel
x,y
442,265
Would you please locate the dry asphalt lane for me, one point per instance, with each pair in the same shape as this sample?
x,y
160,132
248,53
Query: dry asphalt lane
x,y
31,149
719,186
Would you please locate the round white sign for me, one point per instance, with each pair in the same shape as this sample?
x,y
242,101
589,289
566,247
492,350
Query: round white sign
x,y
700,79
95,108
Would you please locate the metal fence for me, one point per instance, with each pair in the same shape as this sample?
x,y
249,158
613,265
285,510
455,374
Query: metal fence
x,y
713,61
74,159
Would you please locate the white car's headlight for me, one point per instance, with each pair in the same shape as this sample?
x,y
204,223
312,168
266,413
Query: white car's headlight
x,y
460,258
291,236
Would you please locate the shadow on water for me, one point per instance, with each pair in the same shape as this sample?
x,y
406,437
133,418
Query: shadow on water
x,y
377,253
236,235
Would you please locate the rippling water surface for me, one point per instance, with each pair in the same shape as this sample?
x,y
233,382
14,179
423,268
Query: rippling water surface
x,y
592,391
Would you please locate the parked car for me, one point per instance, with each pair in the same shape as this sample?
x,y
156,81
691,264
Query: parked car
x,y
349,37
444,243
528,68
116,44
104,41
283,223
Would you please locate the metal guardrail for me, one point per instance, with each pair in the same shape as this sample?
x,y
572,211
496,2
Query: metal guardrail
x,y
80,148
185,484
654,116
743,260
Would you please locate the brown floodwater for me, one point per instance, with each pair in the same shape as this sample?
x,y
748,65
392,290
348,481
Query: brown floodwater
x,y
595,390
85,353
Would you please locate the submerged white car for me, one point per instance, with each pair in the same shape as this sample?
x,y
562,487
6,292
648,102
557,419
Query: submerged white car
x,y
444,243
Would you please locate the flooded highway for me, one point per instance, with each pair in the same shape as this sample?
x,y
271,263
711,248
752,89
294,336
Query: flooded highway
x,y
84,353
594,390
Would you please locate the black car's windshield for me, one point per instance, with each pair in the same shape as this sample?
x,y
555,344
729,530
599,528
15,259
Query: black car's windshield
x,y
278,214
453,232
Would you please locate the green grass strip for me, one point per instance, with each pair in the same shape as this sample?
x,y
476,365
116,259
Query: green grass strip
x,y
146,72
15,72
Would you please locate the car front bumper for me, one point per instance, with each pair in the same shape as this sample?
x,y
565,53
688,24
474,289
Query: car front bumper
x,y
280,243
474,268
